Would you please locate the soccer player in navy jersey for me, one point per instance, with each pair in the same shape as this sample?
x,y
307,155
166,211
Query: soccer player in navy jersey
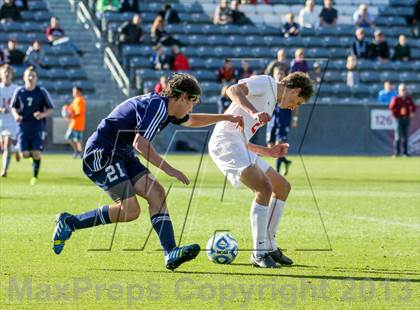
x,y
31,105
110,162
279,126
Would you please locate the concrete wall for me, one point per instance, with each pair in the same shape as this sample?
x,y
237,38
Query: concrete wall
x,y
340,129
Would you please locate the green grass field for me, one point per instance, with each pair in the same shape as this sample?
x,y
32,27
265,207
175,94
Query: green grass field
x,y
370,206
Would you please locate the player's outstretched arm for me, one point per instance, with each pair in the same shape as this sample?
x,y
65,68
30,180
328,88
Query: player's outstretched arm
x,y
278,150
204,119
146,149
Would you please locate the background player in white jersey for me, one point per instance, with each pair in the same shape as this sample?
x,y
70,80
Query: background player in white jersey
x,y
255,98
8,124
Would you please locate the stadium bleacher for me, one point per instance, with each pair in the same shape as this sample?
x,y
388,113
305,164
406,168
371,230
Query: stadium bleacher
x,y
206,45
64,70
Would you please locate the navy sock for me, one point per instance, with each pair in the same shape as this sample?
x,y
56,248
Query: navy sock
x,y
36,163
278,164
163,226
92,218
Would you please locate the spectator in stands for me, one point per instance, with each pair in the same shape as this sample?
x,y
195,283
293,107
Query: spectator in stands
x,y
162,84
107,6
353,75
245,71
129,6
416,19
160,35
178,60
359,47
379,49
55,35
402,108
169,15
316,72
76,112
279,62
130,32
54,31
299,63
222,14
328,16
35,55
159,60
308,18
402,50
238,17
362,18
15,56
224,101
9,12
226,73
385,95
290,27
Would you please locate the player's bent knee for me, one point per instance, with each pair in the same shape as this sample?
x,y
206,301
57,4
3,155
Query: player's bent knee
x,y
130,210
36,155
26,154
157,193
265,188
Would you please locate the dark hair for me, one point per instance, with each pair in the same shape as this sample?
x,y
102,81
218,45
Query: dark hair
x,y
299,80
180,83
78,88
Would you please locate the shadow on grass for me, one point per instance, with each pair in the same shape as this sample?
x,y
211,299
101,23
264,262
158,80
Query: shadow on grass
x,y
278,273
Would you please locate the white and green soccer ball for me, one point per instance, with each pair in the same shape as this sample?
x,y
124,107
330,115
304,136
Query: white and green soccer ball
x,y
222,248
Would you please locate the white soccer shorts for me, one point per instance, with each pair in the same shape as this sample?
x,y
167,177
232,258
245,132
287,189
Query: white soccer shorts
x,y
231,156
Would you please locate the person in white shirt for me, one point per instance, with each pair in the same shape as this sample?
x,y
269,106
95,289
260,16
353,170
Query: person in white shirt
x,y
308,18
7,121
254,99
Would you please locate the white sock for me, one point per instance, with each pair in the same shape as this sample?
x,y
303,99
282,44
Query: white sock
x,y
259,227
275,211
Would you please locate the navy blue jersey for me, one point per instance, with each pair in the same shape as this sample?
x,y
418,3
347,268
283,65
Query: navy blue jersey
x,y
146,115
280,118
27,102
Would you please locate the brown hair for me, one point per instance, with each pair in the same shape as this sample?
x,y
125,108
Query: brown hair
x,y
299,80
180,83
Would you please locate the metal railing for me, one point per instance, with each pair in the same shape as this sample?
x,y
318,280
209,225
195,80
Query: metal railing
x,y
117,71
85,17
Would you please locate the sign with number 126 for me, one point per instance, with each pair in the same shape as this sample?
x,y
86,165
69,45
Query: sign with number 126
x,y
382,120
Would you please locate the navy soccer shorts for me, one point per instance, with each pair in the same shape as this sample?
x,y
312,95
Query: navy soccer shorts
x,y
116,174
30,140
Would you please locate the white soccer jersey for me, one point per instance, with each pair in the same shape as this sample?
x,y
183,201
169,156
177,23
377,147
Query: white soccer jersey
x,y
262,93
7,120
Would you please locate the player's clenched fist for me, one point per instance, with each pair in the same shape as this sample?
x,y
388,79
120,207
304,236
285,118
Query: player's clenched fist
x,y
262,117
279,150
239,120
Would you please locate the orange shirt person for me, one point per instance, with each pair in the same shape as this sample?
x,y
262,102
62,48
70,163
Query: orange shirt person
x,y
76,113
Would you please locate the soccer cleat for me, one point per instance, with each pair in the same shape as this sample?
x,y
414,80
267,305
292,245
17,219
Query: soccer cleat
x,y
263,261
280,258
287,164
180,255
4,174
33,181
62,232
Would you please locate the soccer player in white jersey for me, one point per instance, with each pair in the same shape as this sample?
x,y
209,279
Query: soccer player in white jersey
x,y
255,98
8,124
